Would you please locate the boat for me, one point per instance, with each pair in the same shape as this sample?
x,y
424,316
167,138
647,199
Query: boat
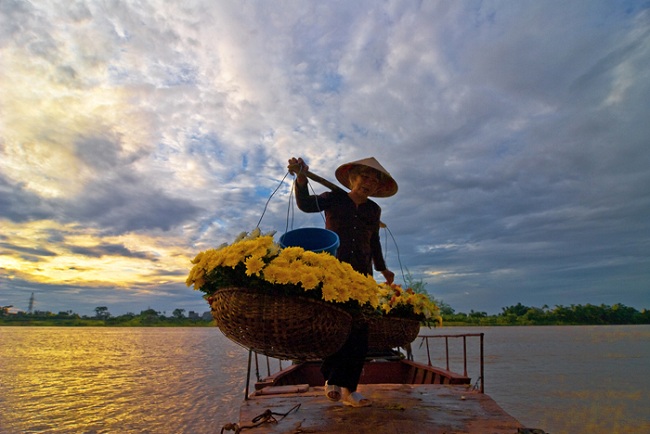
x,y
407,396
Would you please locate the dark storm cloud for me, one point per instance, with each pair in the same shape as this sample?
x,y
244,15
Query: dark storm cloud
x,y
20,205
127,203
107,249
26,253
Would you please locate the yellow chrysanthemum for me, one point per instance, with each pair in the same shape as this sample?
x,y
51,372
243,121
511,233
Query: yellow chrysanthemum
x,y
276,274
338,281
254,265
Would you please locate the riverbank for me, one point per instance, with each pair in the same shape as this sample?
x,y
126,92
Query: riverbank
x,y
101,323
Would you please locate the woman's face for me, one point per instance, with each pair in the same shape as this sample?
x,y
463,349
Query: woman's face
x,y
365,181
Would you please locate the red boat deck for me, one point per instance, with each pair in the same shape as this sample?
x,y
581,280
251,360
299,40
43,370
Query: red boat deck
x,y
408,398
397,408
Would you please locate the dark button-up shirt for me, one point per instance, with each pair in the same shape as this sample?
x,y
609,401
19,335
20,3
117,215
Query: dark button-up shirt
x,y
356,226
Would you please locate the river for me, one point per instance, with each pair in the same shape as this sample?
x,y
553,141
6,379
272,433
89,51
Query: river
x,y
190,380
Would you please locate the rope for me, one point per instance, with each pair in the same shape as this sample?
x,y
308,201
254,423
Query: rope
x,y
399,259
269,199
266,417
290,209
320,211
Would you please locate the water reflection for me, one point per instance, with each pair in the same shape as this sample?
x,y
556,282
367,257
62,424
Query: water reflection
x,y
118,380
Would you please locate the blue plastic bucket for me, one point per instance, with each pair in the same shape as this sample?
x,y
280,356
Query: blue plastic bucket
x,y
314,239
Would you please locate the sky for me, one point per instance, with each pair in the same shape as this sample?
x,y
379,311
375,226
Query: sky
x,y
135,134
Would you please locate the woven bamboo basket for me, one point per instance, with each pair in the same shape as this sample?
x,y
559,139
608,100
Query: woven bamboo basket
x,y
279,325
391,332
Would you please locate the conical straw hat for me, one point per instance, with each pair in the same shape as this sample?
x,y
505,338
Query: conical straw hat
x,y
388,186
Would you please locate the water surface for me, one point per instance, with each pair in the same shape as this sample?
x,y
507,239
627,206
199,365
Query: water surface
x,y
191,380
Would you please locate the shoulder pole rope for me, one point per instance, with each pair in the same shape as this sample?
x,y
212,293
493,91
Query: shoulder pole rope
x,y
309,175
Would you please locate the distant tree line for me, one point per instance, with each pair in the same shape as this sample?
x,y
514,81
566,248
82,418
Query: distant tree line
x,y
575,314
102,317
518,314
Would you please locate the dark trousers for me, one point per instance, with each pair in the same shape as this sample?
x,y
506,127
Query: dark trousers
x,y
344,367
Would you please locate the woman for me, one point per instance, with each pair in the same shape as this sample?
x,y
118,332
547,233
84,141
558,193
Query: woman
x,y
356,220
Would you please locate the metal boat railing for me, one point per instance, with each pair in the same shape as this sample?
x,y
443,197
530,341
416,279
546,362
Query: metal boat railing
x,y
480,385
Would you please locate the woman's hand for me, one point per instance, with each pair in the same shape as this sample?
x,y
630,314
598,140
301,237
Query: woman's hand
x,y
298,167
389,276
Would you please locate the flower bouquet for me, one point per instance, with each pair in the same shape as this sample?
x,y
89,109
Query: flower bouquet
x,y
294,303
400,314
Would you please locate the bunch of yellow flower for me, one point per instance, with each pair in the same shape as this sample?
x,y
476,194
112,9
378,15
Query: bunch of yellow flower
x,y
250,249
256,257
338,281
398,301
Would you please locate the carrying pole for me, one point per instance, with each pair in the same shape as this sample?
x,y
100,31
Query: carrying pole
x,y
296,168
322,181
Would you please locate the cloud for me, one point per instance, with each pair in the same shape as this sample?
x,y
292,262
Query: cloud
x,y
135,135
